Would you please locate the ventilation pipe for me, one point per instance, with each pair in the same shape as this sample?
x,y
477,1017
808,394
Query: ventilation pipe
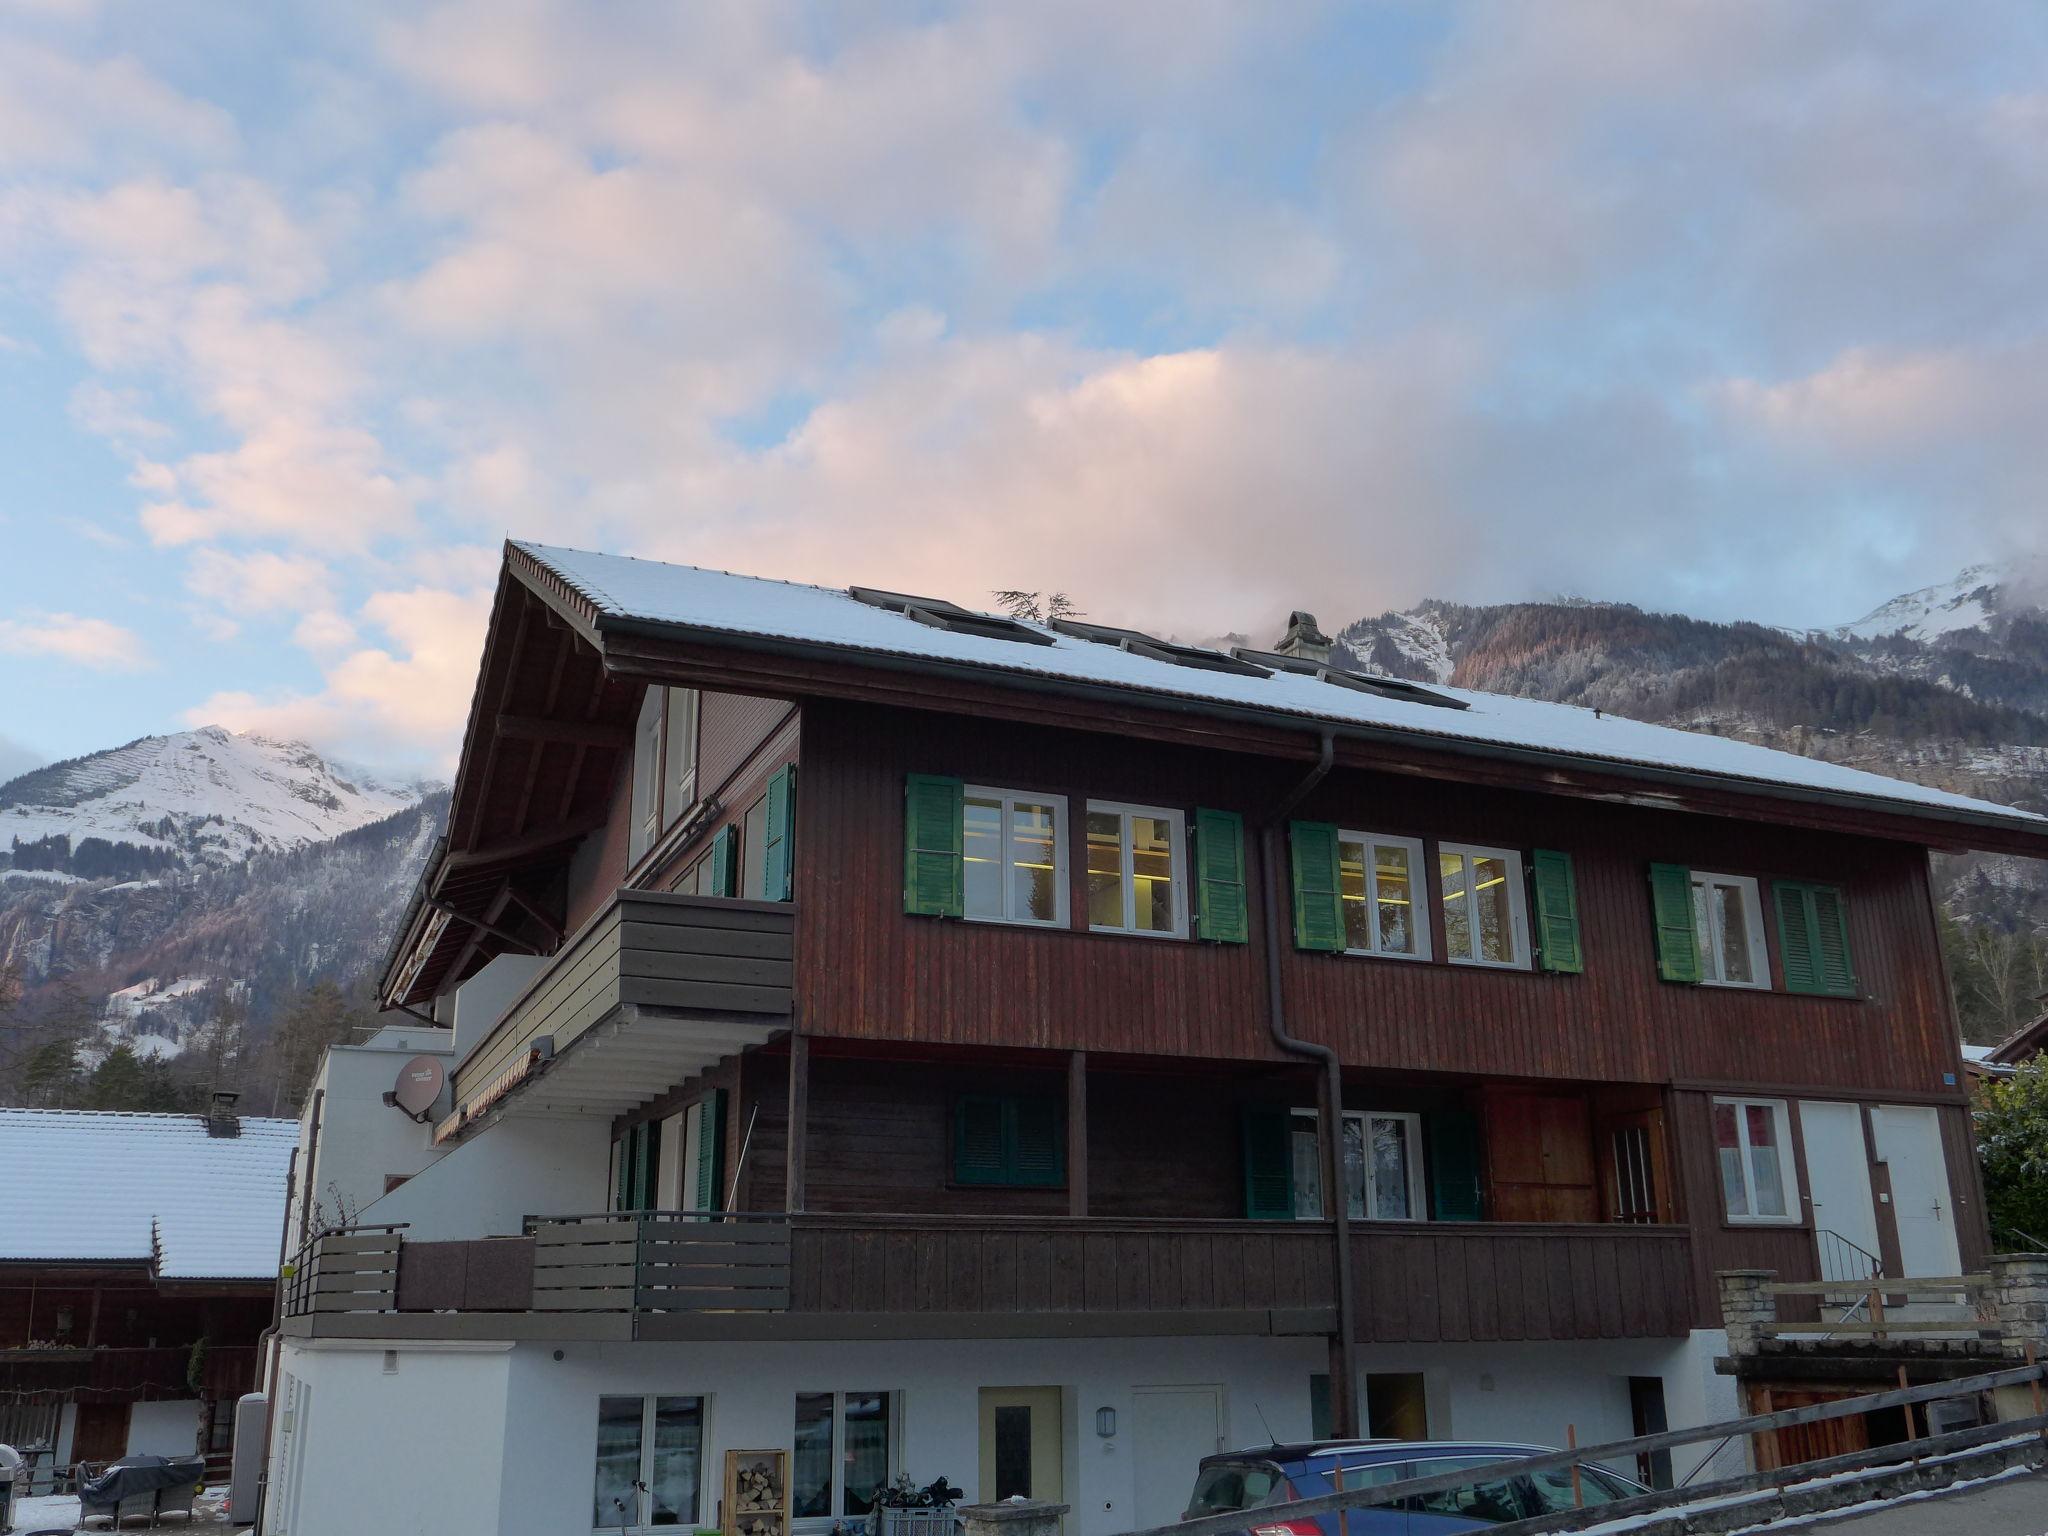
x,y
1272,850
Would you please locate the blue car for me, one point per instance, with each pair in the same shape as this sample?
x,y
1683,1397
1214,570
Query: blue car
x,y
1260,1484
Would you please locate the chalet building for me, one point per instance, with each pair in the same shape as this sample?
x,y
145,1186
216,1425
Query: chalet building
x,y
912,1041
138,1265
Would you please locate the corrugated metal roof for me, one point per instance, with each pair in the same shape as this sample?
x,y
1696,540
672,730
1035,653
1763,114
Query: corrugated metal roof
x,y
88,1185
620,588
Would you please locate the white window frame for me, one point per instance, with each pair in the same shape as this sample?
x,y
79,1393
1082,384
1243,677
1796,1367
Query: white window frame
x,y
1418,1204
678,769
1419,888
1518,905
705,1482
1788,1165
1177,843
894,1398
1009,799
1709,944
647,735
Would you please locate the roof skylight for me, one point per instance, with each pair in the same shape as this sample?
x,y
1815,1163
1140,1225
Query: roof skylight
x,y
940,614
1360,682
1139,643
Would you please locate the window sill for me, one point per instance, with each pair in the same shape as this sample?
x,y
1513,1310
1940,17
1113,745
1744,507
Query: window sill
x,y
1385,954
1776,1223
1056,925
1523,966
1133,933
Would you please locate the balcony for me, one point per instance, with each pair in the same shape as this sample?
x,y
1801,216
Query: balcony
x,y
651,990
98,1375
834,1276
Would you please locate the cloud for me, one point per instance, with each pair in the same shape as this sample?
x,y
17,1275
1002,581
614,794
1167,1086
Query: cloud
x,y
87,642
59,110
402,700
259,582
17,758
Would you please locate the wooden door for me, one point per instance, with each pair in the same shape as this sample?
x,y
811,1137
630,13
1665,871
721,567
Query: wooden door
x,y
101,1432
1539,1157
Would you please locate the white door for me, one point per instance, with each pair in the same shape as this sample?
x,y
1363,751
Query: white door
x,y
1838,1180
1172,1429
1909,1145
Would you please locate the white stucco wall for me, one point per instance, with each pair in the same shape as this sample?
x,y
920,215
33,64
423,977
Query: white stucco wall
x,y
482,1000
510,1170
164,1428
416,1451
363,1139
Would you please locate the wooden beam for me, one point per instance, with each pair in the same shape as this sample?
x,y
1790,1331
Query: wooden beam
x,y
1077,1133
520,847
799,1113
582,733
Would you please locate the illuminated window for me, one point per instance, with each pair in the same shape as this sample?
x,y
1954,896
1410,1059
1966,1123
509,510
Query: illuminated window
x,y
1757,1179
1382,1166
1380,880
1135,883
1014,856
1486,919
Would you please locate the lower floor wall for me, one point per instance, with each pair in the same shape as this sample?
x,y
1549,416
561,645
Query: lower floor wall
x,y
479,1439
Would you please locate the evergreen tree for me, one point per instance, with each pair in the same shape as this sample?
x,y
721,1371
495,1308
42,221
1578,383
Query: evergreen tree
x,y
2012,1145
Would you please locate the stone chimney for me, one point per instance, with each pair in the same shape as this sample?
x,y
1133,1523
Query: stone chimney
x,y
1303,639
221,1119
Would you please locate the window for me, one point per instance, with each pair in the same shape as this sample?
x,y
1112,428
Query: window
x,y
1014,855
664,765
1378,878
1751,1138
1485,909
691,1153
1382,1166
1728,925
646,776
1016,1141
842,1453
679,756
1813,939
650,1456
1135,883
220,1426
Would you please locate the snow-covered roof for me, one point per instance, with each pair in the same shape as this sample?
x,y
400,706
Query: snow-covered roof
x,y
88,1185
621,588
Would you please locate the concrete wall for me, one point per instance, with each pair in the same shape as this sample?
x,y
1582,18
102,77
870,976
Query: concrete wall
x,y
482,1000
362,1139
488,1184
514,1433
414,1451
164,1428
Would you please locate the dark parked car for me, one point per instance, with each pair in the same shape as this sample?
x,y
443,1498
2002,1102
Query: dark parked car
x,y
1260,1484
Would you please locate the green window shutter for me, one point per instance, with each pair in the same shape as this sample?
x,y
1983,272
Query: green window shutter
x,y
1454,1165
1557,912
710,1143
933,877
778,842
637,1163
1219,868
1678,945
978,1142
1813,939
1037,1143
1318,897
622,1182
1831,942
725,863
1796,937
1268,1165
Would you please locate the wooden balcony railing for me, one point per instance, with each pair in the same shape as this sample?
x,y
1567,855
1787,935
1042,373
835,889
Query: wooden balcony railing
x,y
98,1375
685,1275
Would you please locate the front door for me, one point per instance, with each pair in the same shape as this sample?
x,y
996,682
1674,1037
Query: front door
x,y
1172,1429
1909,1144
1020,1444
1838,1178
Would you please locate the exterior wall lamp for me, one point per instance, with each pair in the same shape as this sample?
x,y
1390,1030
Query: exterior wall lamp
x,y
1105,1422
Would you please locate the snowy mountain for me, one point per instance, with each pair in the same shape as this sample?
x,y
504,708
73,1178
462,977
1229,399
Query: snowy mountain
x,y
1966,602
205,798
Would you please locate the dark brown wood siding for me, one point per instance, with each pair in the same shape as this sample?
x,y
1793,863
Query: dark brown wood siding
x,y
868,971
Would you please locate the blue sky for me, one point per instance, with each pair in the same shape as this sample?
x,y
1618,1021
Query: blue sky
x,y
1198,312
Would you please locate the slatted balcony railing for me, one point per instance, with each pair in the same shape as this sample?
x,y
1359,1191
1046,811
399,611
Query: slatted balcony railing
x,y
663,1261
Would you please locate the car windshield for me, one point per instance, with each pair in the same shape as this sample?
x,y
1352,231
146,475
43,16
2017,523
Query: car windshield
x,y
1229,1486
1550,1492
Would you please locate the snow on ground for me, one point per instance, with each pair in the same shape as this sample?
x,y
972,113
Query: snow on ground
x,y
58,1512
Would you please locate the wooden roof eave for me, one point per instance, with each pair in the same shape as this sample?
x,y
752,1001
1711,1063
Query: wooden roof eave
x,y
673,653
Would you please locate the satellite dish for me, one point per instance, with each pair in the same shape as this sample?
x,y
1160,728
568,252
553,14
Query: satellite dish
x,y
419,1086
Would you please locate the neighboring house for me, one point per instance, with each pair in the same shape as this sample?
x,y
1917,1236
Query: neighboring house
x,y
2023,1044
925,1042
138,1264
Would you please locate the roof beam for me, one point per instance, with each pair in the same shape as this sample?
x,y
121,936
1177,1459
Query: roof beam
x,y
581,733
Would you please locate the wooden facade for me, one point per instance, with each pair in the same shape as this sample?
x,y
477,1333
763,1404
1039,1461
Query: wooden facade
x,y
843,1123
